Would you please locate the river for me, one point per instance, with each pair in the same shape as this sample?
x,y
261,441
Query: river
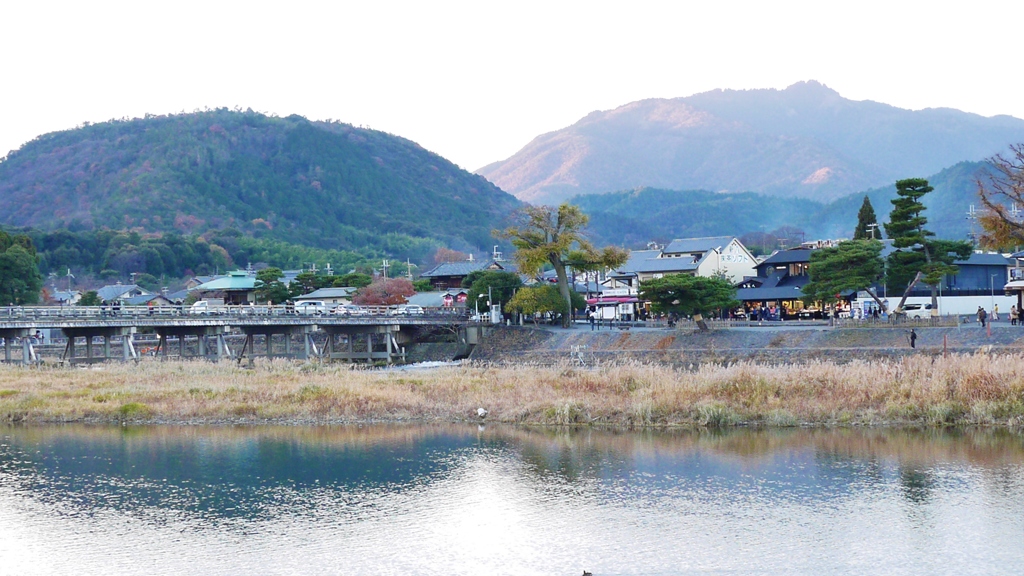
x,y
417,499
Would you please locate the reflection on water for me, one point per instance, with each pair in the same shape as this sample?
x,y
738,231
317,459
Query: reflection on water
x,y
463,500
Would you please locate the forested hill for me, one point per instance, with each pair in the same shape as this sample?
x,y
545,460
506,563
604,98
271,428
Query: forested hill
x,y
328,185
634,217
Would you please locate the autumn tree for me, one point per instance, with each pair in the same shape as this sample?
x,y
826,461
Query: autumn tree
x,y
689,295
1000,192
384,292
867,222
443,255
919,257
547,235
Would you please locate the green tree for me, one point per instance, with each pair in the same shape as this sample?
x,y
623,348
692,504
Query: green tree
x,y
269,287
867,222
534,300
20,280
90,298
689,295
547,235
918,256
423,285
852,265
502,285
353,280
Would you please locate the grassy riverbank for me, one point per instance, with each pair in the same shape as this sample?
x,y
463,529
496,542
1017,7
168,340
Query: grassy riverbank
x,y
974,390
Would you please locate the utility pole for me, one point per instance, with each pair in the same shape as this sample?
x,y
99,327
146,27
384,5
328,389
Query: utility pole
x,y
384,268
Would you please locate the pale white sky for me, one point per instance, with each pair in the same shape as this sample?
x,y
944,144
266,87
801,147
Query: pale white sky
x,y
475,81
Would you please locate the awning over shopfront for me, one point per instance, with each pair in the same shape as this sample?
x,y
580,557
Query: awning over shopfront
x,y
612,300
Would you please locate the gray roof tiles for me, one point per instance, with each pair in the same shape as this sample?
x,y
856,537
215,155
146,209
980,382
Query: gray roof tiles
x,y
694,245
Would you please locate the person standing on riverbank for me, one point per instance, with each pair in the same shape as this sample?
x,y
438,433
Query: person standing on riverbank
x,y
913,338
995,313
982,316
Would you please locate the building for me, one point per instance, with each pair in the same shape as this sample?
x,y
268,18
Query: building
x,y
331,297
778,282
710,256
237,287
451,274
120,292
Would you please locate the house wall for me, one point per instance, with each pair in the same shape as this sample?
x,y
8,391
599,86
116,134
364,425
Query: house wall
x,y
734,260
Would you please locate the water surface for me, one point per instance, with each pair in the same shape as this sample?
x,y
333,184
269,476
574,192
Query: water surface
x,y
469,500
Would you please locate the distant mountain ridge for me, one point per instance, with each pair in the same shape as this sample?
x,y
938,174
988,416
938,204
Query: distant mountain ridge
x,y
328,185
806,141
634,217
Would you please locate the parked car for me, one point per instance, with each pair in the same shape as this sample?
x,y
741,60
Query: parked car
x,y
311,307
406,310
918,310
350,310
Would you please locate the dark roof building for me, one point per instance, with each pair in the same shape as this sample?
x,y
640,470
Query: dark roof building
x,y
451,274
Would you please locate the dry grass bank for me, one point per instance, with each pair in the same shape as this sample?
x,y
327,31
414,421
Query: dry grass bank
x,y
977,389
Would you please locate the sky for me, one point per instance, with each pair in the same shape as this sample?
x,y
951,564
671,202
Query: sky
x,y
476,81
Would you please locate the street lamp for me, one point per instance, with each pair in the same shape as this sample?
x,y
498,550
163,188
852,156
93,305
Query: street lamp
x,y
991,287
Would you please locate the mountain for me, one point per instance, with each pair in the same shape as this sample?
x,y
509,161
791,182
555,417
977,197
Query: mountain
x,y
632,218
322,184
806,141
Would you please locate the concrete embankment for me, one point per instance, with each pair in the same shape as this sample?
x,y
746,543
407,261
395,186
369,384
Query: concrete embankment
x,y
770,344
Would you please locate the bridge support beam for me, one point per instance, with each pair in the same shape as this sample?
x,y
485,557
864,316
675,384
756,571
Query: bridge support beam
x,y
268,332
70,353
376,343
183,333
9,334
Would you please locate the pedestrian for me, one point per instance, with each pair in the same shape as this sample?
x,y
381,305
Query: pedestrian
x,y
1013,315
995,313
913,338
982,316
591,315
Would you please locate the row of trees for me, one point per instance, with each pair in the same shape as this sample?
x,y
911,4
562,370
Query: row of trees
x,y
917,257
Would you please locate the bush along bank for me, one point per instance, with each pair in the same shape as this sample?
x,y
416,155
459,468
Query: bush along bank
x,y
916,391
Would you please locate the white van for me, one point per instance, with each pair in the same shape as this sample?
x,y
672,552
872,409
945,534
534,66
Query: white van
x,y
918,310
311,307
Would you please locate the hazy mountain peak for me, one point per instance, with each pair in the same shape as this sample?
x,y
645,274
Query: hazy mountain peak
x,y
802,141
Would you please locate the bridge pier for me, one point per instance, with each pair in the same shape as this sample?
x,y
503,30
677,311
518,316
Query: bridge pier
x,y
28,353
201,333
383,334
268,332
70,352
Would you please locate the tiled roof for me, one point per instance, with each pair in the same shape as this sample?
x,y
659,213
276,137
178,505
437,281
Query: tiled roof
x,y
683,264
694,245
344,292
462,268
115,291
238,280
985,259
793,256
636,259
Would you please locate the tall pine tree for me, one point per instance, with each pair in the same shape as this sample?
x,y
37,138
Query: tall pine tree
x,y
866,222
918,257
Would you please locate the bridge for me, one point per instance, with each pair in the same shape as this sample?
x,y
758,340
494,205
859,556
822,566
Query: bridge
x,y
376,334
